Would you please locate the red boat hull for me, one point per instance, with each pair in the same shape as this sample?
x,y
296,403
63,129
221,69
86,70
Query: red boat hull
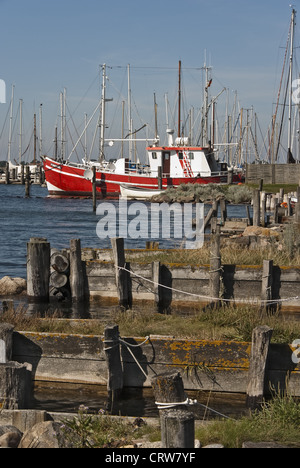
x,y
67,180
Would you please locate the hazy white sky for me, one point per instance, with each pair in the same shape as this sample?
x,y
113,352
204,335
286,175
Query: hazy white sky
x,y
48,45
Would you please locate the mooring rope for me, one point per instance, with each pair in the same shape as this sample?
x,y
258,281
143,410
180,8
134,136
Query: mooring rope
x,y
199,296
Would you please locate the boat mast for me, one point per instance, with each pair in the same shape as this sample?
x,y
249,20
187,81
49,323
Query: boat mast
x,y
129,115
102,124
21,131
179,101
10,123
290,157
41,130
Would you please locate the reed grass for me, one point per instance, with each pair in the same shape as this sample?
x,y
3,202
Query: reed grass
x,y
233,323
279,421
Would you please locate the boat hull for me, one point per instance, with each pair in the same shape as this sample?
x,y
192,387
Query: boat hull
x,y
68,180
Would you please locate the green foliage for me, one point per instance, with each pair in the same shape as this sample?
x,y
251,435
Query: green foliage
x,y
98,431
279,421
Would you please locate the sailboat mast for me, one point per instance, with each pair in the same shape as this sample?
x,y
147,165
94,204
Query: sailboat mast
x,y
102,125
10,123
129,115
179,101
21,131
291,85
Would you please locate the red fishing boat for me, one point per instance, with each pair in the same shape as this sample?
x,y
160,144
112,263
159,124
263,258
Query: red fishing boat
x,y
168,166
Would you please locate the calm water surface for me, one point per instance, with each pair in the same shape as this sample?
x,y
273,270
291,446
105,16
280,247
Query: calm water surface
x,y
58,220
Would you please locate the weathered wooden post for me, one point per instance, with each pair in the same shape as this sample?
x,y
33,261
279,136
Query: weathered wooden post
x,y
122,276
22,175
38,269
223,209
156,286
15,378
177,422
114,367
263,208
267,284
7,175
215,267
6,340
230,176
256,208
76,271
27,182
261,339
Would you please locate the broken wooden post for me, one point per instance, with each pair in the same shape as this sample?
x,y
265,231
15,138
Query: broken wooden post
x,y
76,271
261,339
256,208
38,269
267,284
15,378
177,422
122,275
114,367
6,341
215,271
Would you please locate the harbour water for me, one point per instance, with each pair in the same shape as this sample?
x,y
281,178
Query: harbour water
x,y
59,221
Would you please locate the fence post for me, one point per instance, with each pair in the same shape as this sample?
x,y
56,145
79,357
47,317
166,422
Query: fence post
x,y
114,367
177,423
261,339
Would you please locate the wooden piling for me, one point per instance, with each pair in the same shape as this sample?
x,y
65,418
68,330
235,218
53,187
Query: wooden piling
x,y
263,208
267,284
76,271
261,339
177,422
7,175
22,175
215,266
156,278
38,269
223,209
256,208
114,367
27,182
230,176
122,276
6,342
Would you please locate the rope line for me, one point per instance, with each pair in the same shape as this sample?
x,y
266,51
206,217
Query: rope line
x,y
199,296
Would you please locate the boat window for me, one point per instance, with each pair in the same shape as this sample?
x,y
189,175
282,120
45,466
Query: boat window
x,y
191,156
154,155
180,156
